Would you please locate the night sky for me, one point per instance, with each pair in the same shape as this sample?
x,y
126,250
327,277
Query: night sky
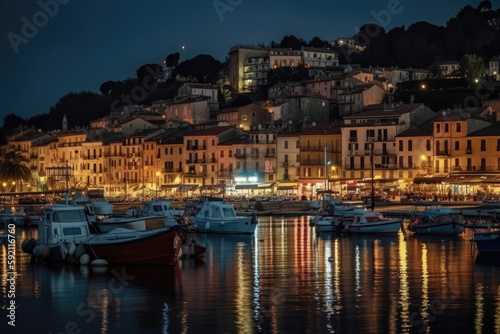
x,y
88,42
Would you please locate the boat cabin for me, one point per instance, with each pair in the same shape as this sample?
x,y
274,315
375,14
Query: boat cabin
x,y
63,223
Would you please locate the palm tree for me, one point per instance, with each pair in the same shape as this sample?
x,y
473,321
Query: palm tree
x,y
13,167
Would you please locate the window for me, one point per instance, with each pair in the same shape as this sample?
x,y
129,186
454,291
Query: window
x,y
286,143
483,145
400,146
410,161
298,144
410,145
244,117
428,145
230,153
222,154
459,127
457,162
438,128
446,127
457,144
498,144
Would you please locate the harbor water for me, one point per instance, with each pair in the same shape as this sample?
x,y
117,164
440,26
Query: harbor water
x,y
283,279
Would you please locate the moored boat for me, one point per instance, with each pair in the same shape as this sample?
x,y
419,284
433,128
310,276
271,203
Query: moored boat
x,y
131,223
328,224
219,217
488,242
123,246
437,221
368,222
64,235
155,208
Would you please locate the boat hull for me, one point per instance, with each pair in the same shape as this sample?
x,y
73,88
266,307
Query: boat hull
x,y
488,242
136,224
326,225
385,227
242,225
439,229
148,247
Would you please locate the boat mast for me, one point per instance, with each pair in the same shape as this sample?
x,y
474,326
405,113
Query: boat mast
x,y
373,194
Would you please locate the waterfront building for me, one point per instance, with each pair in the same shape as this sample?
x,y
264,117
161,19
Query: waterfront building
x,y
288,164
248,68
319,57
313,162
283,57
371,137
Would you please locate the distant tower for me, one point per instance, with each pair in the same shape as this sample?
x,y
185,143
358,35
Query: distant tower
x,y
65,124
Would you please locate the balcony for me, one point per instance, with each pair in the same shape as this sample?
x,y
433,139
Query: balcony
x,y
254,156
240,156
370,138
384,152
353,139
468,150
312,148
195,148
269,155
381,138
385,166
443,153
196,174
312,162
171,170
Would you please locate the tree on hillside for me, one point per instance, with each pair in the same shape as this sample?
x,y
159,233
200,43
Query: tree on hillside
x,y
107,87
202,68
151,73
172,60
471,67
292,42
12,121
317,42
13,167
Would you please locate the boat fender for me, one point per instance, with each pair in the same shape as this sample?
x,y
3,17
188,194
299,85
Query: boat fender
x,y
221,223
79,251
84,259
99,263
71,248
37,251
71,259
207,226
28,246
46,252
180,254
176,241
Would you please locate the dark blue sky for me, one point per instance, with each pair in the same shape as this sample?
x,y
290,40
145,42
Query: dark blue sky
x,y
88,42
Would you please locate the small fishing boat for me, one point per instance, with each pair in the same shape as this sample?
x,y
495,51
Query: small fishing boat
x,y
219,217
369,222
155,208
328,224
131,223
488,241
64,235
437,221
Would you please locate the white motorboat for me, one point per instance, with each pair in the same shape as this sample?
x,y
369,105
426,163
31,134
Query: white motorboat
x,y
368,222
219,217
155,208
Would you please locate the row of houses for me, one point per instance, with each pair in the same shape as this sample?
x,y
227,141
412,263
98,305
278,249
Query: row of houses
x,y
402,145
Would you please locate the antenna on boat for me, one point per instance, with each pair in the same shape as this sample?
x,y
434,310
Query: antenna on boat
x,y
67,181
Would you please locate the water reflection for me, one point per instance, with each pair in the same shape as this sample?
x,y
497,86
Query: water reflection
x,y
285,279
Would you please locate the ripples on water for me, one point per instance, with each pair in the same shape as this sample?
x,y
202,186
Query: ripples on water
x,y
285,279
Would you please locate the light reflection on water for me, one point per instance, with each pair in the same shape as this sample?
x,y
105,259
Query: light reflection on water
x,y
285,279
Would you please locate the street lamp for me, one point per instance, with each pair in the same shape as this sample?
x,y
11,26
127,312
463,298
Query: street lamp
x,y
157,181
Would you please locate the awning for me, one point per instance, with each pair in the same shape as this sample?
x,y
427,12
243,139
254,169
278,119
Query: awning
x,y
246,186
287,186
188,187
265,185
472,178
429,179
212,186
